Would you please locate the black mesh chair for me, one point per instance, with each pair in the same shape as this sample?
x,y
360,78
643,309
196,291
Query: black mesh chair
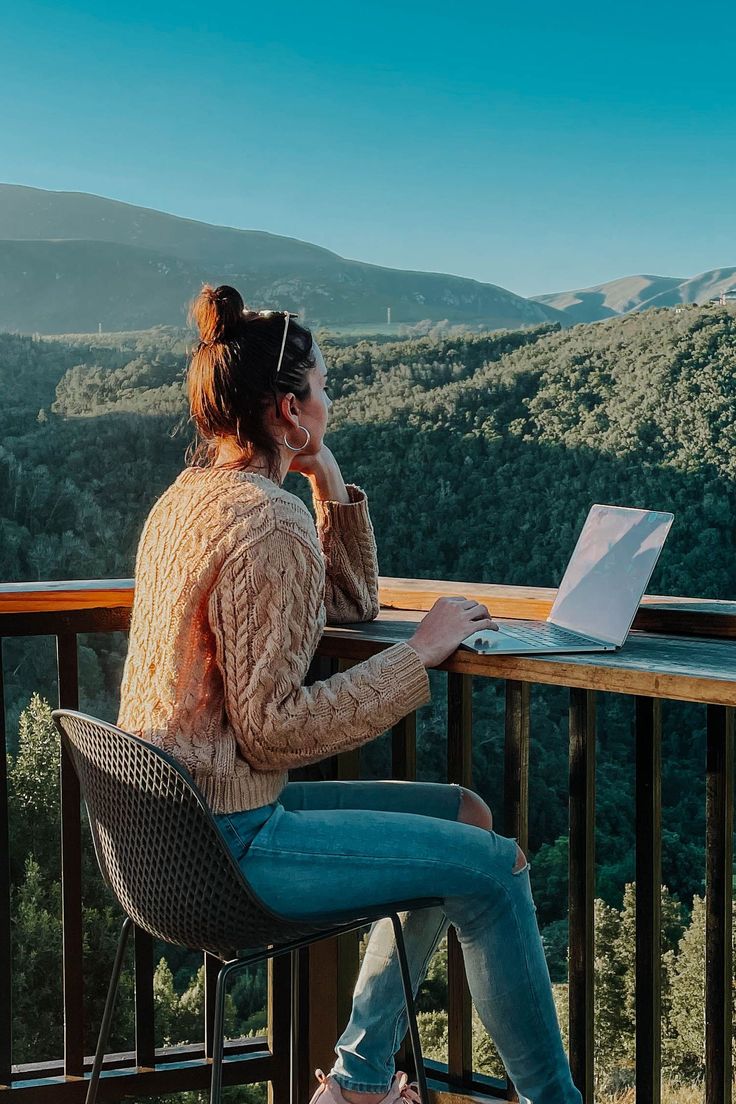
x,y
163,857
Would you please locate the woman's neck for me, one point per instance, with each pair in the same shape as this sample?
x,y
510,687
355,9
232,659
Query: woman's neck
x,y
230,454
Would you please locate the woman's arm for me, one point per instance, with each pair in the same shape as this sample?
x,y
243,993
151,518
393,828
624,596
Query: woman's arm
x,y
351,561
347,540
266,613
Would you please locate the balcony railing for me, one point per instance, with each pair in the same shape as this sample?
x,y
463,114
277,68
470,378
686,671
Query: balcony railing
x,y
680,649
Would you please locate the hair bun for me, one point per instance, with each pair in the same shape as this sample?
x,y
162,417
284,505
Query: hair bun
x,y
218,313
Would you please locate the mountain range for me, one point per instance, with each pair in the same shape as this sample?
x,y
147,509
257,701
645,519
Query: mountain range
x,y
74,263
637,293
71,262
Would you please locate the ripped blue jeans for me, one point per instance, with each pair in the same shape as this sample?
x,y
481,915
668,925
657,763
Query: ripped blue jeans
x,y
340,845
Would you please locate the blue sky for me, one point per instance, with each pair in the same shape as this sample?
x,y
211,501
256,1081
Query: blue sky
x,y
540,147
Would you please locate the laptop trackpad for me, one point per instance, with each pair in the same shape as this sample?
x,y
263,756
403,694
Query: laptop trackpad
x,y
498,643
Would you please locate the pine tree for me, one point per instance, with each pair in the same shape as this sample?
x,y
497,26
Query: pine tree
x,y
179,1017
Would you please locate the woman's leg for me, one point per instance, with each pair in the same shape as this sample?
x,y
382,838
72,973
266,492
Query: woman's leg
x,y
310,863
432,799
385,1018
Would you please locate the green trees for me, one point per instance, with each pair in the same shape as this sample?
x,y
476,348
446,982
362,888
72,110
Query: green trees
x,y
683,974
33,793
683,996
179,1016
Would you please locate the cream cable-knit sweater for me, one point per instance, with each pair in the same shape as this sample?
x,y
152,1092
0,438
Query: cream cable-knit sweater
x,y
233,587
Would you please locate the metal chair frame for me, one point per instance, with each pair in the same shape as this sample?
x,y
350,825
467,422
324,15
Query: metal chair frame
x,y
78,733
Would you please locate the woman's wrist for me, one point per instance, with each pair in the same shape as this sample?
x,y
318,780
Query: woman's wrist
x,y
424,658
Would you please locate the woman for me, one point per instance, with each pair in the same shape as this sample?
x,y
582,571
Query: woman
x,y
234,585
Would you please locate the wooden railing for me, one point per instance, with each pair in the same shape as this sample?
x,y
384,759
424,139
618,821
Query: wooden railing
x,y
681,649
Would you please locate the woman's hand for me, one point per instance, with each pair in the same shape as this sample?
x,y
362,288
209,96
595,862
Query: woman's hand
x,y
323,471
448,622
313,464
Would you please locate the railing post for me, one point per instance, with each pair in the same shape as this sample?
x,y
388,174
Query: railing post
x,y
582,887
516,762
320,991
71,870
718,904
301,1073
404,748
404,767
648,899
348,946
6,974
212,966
517,728
145,1041
460,770
280,1012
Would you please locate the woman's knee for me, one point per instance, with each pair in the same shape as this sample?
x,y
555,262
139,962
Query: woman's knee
x,y
520,863
473,810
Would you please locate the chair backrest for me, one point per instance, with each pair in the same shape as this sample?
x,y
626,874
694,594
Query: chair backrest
x,y
158,847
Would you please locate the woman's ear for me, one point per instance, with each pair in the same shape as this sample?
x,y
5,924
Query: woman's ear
x,y
294,409
288,408
283,406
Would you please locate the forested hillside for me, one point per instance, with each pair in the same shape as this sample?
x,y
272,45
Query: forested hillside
x,y
481,455
499,442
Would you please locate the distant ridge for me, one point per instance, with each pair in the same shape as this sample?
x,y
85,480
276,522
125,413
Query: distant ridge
x,y
637,293
608,300
71,261
699,289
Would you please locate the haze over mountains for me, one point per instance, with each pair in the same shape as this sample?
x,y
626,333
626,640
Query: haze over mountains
x,y
73,263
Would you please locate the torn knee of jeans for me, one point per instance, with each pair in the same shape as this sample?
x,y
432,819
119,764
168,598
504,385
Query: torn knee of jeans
x,y
521,864
473,810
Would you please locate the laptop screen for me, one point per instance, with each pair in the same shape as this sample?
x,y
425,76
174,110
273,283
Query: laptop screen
x,y
609,571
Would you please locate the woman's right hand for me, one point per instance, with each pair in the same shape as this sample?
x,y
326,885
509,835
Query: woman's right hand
x,y
448,622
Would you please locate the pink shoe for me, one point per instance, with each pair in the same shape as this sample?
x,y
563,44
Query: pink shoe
x,y
401,1091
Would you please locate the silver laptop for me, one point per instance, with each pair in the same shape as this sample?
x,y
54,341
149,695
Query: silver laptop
x,y
599,595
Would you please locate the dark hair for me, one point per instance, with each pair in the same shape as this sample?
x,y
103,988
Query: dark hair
x,y
232,374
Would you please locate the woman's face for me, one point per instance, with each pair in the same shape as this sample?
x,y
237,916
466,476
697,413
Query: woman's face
x,y
314,410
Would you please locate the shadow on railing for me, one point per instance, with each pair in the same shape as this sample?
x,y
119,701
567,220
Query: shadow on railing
x,y
684,649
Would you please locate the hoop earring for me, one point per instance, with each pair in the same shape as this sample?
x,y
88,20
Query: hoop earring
x,y
299,449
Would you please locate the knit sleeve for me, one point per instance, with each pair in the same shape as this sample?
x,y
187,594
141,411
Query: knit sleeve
x,y
351,563
266,612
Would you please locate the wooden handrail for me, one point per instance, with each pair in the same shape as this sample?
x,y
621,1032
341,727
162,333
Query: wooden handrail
x,y
671,614
655,665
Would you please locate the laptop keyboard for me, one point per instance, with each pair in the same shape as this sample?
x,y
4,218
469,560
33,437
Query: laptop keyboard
x,y
541,632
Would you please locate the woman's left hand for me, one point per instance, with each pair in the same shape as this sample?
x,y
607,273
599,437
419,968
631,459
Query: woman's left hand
x,y
311,464
323,471
314,464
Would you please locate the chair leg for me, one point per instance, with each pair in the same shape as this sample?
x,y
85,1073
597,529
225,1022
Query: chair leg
x,y
107,1014
294,1027
411,1012
218,1029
